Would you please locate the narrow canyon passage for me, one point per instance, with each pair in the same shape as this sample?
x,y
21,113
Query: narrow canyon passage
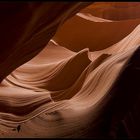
x,y
70,69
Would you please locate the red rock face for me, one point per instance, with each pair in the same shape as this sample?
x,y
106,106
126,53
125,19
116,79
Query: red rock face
x,y
66,69
114,10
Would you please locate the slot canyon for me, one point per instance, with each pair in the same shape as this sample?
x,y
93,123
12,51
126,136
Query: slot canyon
x,y
69,69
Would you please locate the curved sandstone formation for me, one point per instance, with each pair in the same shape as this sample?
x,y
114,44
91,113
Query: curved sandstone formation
x,y
72,73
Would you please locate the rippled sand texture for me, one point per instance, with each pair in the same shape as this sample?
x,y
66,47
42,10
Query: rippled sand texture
x,y
64,90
